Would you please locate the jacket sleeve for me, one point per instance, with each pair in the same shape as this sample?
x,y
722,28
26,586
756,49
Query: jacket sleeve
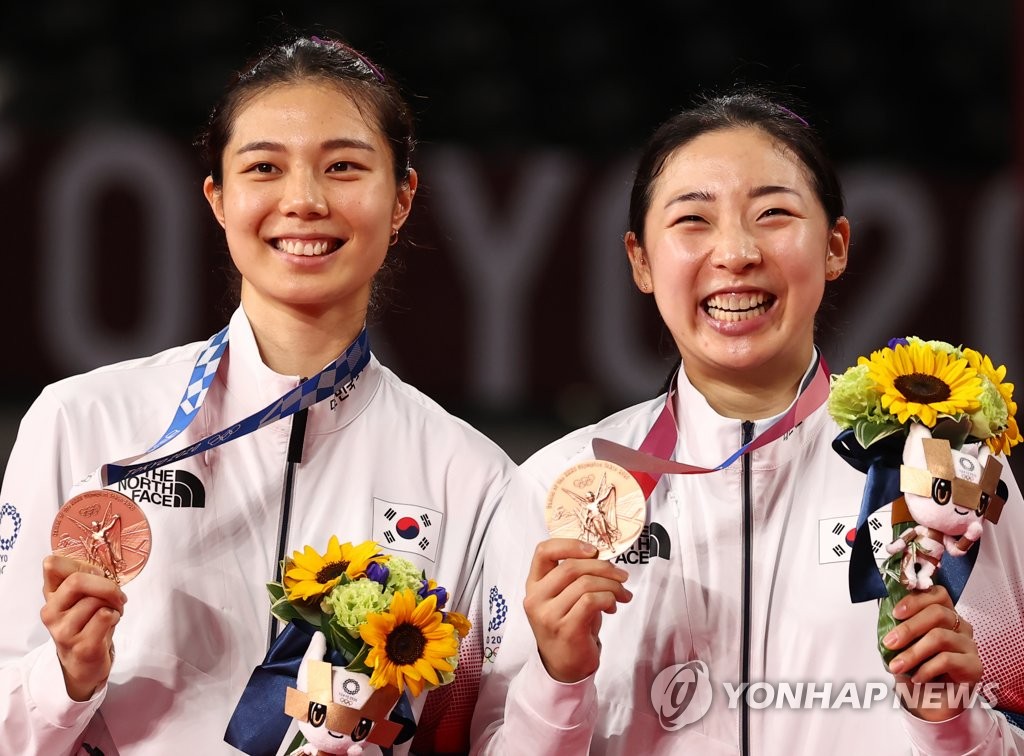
x,y
521,709
976,731
36,714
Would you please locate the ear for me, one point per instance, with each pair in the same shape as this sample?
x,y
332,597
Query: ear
x,y
913,447
314,652
403,201
638,262
215,197
838,249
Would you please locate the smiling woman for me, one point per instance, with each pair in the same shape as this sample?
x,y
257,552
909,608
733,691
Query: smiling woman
x,y
310,177
736,248
736,223
308,214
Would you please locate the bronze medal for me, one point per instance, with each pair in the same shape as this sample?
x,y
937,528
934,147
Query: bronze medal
x,y
106,529
597,502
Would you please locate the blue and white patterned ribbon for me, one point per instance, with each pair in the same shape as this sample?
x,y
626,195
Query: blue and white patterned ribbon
x,y
322,385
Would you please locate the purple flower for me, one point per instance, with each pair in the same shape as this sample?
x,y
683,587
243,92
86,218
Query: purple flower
x,y
440,593
894,342
378,573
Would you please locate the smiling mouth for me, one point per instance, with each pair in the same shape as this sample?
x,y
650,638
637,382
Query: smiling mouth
x,y
961,511
300,248
731,308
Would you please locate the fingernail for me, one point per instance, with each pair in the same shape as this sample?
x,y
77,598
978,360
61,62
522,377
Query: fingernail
x,y
587,548
890,639
899,610
897,666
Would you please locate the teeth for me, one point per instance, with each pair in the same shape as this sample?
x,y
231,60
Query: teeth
x,y
732,308
304,249
737,301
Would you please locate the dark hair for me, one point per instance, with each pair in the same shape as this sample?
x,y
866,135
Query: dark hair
x,y
313,58
751,108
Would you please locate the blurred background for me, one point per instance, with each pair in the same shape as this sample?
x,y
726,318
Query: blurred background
x,y
515,309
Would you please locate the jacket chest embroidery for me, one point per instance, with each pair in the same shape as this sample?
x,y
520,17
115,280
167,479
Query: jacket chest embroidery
x,y
165,488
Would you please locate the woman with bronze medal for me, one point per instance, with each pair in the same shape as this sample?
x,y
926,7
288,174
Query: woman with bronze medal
x,y
285,431
721,620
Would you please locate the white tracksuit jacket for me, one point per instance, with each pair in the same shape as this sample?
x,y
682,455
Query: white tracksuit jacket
x,y
689,604
197,616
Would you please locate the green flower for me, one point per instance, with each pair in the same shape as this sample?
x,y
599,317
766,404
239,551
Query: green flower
x,y
352,602
854,401
992,417
853,396
936,346
404,576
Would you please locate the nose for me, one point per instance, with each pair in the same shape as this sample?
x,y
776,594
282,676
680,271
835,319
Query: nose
x,y
303,196
735,250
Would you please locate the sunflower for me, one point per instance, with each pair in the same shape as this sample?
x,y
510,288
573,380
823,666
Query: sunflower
x,y
459,622
917,381
1010,435
308,576
409,644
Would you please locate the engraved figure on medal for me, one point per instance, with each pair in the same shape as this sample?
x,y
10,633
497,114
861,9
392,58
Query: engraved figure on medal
x,y
106,529
597,502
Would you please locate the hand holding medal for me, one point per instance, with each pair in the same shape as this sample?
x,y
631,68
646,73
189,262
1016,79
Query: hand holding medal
x,y
105,529
595,510
100,540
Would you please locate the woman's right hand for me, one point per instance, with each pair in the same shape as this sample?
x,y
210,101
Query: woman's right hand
x,y
81,610
567,591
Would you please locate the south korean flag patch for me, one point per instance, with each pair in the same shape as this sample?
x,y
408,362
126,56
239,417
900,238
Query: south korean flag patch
x,y
410,528
836,536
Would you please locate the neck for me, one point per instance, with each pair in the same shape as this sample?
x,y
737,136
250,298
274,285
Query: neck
x,y
301,341
743,396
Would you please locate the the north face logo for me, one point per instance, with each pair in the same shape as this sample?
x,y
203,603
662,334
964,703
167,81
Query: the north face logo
x,y
165,488
653,542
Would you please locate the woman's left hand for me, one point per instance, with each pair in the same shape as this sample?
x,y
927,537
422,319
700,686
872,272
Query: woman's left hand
x,y
937,647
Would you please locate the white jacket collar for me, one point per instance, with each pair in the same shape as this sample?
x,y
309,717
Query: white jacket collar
x,y
708,439
249,379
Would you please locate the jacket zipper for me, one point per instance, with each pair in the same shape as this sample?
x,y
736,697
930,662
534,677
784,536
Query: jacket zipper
x,y
748,547
296,439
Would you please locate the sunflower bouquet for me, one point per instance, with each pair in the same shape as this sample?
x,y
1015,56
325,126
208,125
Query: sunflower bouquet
x,y
380,611
913,380
911,414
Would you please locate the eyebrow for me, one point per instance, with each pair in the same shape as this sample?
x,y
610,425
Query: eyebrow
x,y
702,195
330,144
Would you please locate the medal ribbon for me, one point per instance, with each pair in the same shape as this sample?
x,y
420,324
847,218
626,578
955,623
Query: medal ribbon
x,y
648,463
306,394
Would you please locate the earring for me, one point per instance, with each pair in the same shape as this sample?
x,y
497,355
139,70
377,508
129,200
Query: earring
x,y
394,237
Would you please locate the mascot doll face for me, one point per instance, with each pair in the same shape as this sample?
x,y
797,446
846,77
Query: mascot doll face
x,y
338,709
948,490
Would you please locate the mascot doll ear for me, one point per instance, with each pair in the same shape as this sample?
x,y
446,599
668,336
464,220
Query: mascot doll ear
x,y
313,681
913,447
315,652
